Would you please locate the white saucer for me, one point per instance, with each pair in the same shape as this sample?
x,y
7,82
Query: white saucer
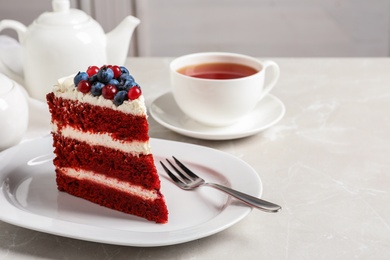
x,y
166,112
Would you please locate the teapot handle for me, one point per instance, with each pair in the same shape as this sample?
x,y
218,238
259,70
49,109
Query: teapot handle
x,y
21,31
17,26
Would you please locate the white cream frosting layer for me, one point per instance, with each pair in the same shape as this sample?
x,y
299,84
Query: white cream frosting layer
x,y
135,148
111,182
66,89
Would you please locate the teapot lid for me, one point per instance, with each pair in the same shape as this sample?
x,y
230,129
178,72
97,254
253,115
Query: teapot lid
x,y
62,15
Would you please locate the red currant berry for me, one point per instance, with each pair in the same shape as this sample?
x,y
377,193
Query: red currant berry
x,y
109,91
84,86
117,71
134,93
92,70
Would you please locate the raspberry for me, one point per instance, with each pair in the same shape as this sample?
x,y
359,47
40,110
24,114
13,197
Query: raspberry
x,y
109,91
84,86
117,71
92,70
134,92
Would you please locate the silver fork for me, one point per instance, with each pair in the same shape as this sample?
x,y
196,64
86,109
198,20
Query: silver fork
x,y
188,180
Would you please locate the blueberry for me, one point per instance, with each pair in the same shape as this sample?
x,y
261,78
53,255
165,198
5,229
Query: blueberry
x,y
125,77
120,97
96,89
120,87
124,70
79,77
93,78
105,74
113,82
127,84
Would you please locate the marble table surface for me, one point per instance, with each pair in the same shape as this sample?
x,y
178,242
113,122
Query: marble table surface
x,y
326,162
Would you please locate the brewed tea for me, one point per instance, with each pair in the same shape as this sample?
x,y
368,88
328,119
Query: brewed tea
x,y
218,70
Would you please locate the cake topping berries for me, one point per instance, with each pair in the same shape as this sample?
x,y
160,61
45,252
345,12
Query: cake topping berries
x,y
84,86
111,82
134,93
109,91
92,70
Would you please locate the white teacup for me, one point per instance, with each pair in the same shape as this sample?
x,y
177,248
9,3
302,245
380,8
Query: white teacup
x,y
13,113
220,102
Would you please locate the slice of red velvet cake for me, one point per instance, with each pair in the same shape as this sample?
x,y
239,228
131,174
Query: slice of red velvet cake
x,y
101,141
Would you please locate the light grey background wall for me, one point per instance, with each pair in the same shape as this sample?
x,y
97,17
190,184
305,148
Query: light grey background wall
x,y
264,28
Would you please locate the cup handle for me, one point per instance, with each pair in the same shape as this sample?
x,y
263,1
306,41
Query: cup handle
x,y
268,64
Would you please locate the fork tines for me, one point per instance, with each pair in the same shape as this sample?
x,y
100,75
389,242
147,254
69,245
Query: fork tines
x,y
191,174
185,174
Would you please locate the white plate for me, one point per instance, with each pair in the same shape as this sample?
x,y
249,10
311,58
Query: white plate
x,y
29,198
268,112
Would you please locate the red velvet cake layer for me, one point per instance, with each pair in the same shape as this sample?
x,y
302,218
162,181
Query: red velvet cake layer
x,y
112,163
91,160
155,210
89,118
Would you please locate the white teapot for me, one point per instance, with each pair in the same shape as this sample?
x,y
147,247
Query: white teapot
x,y
63,42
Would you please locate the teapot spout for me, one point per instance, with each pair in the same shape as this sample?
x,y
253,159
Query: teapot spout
x,y
118,40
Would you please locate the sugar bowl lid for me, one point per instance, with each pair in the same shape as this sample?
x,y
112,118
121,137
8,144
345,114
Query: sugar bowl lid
x,y
5,84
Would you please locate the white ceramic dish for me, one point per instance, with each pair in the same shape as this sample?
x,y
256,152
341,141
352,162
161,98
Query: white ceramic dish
x,y
13,113
167,113
29,198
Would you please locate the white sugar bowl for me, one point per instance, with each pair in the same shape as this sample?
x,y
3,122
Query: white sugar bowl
x,y
13,113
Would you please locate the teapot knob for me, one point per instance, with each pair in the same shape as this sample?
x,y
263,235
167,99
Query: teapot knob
x,y
60,5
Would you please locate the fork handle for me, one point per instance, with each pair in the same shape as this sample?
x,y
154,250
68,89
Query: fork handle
x,y
247,199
